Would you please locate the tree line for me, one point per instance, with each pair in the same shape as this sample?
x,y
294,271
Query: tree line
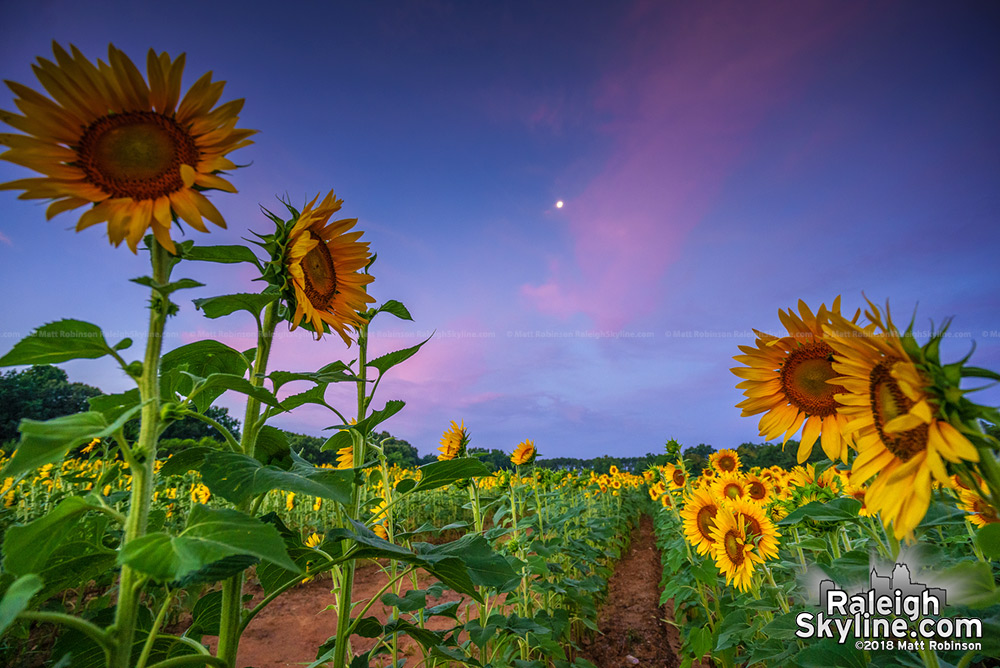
x,y
44,392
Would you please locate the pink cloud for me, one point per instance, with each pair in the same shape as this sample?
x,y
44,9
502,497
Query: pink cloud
x,y
682,101
5,239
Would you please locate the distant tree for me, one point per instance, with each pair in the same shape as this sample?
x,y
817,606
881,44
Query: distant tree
x,y
604,463
494,459
42,392
697,457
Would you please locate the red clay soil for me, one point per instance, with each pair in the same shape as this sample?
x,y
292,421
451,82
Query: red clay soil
x,y
288,631
633,630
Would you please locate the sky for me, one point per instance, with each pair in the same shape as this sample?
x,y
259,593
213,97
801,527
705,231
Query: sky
x,y
717,162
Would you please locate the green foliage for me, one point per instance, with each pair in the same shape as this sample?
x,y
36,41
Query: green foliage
x,y
41,392
60,342
210,535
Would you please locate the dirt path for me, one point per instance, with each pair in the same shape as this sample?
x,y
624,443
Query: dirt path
x,y
633,632
288,632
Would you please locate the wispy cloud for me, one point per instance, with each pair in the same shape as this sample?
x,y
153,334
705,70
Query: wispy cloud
x,y
680,105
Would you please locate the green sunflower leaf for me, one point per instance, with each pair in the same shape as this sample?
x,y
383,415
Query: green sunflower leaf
x,y
202,359
166,289
48,441
395,308
389,360
439,474
26,547
216,307
237,477
57,342
210,535
228,381
17,597
223,254
988,538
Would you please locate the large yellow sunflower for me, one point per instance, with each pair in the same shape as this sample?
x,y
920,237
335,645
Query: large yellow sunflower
x,y
758,527
134,149
698,516
900,434
729,486
787,378
733,548
725,461
759,488
676,476
324,261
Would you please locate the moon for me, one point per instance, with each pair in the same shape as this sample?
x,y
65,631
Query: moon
x,y
559,204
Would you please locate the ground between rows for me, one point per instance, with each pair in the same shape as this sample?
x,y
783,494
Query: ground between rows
x,y
633,631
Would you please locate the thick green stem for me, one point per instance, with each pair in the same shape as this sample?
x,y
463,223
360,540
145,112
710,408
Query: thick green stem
x,y
347,583
143,476
230,625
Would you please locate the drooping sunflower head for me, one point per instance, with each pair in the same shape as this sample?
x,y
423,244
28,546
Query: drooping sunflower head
x,y
725,461
454,442
127,145
317,267
525,453
894,412
345,457
698,516
790,380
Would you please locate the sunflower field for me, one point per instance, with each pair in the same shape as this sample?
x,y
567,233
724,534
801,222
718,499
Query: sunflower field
x,y
114,555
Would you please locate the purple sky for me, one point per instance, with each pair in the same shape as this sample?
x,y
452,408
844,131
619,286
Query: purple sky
x,y
718,161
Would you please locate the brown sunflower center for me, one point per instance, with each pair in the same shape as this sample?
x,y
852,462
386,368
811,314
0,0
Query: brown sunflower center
x,y
136,154
706,522
888,402
320,274
756,490
732,490
727,463
803,379
734,547
678,478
